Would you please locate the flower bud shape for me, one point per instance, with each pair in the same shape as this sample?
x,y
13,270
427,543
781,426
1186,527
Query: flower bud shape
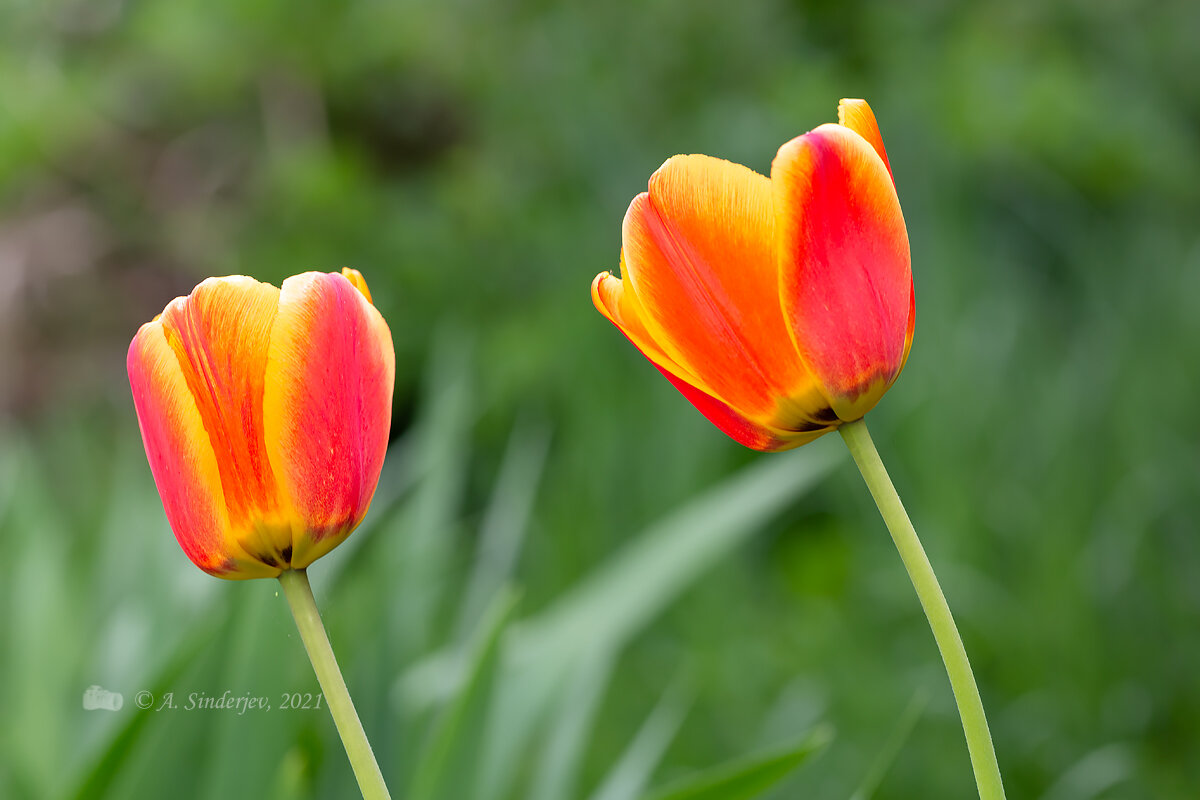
x,y
265,415
781,307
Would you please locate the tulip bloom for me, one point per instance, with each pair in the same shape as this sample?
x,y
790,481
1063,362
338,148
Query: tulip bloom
x,y
265,416
781,307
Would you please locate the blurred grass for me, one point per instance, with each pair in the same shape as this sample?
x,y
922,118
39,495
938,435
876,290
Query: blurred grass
x,y
435,730
474,160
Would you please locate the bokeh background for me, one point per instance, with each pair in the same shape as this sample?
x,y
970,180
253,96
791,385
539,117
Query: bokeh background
x,y
570,585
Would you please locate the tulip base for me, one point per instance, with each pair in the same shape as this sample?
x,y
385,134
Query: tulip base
x,y
954,655
298,592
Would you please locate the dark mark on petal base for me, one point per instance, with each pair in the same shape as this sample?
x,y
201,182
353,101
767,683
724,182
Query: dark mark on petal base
x,y
826,416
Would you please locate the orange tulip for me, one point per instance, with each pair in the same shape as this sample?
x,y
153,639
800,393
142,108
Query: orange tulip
x,y
780,307
265,416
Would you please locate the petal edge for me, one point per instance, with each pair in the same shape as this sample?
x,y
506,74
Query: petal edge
x,y
858,117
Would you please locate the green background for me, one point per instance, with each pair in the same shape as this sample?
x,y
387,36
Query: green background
x,y
673,601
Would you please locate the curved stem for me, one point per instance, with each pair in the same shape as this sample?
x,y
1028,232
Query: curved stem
x,y
298,592
954,655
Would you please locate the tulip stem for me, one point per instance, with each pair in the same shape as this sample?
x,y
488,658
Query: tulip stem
x,y
954,655
298,592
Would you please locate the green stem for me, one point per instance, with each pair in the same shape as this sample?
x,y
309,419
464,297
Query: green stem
x,y
954,655
312,632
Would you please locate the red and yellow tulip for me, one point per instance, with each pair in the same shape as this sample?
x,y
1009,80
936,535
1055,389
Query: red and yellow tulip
x,y
781,307
265,416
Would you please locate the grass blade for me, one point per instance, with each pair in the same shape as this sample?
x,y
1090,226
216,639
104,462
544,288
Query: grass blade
x,y
629,778
636,584
450,735
891,748
749,777
566,737
506,519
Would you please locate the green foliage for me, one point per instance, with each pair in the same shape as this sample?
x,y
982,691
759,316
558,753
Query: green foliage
x,y
747,778
683,603
506,712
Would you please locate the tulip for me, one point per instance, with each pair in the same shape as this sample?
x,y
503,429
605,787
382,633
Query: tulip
x,y
265,416
781,307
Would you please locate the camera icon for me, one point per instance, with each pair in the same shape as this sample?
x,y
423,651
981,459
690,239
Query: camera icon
x,y
97,698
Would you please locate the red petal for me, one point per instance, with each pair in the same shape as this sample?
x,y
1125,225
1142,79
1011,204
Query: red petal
x,y
845,275
327,406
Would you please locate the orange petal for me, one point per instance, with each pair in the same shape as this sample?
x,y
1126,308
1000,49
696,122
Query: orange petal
x,y
744,431
858,117
612,298
220,335
700,256
845,275
327,406
181,458
912,324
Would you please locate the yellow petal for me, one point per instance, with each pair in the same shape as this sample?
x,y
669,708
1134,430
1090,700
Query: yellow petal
x,y
220,334
858,117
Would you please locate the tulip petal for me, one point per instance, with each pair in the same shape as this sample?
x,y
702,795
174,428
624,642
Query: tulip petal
x,y
181,458
613,298
744,431
700,256
845,274
220,336
616,300
327,405
912,324
858,117
355,277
